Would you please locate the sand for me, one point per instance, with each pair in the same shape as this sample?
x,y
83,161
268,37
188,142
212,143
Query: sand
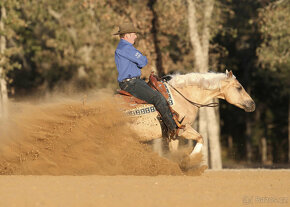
x,y
213,188
72,138
77,153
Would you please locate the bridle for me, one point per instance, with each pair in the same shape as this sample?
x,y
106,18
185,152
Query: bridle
x,y
191,102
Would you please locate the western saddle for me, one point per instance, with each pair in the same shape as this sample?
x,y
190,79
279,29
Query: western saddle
x,y
157,84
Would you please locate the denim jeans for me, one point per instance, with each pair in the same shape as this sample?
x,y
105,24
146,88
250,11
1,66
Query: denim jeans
x,y
140,89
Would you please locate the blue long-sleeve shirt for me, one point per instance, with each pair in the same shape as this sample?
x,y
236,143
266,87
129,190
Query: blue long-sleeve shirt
x,y
128,60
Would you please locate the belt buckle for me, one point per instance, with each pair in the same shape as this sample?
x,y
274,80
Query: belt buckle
x,y
128,79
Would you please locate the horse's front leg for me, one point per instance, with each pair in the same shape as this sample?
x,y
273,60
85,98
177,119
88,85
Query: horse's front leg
x,y
190,133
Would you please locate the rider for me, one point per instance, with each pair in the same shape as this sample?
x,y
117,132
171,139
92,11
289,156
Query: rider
x,y
129,62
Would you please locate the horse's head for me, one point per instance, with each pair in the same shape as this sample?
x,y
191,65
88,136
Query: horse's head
x,y
234,93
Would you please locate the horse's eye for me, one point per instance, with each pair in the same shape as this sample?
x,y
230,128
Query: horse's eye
x,y
239,88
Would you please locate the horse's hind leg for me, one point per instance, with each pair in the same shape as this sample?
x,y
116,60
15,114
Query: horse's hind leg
x,y
158,146
173,145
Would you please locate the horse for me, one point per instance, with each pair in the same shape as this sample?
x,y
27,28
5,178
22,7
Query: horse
x,y
198,88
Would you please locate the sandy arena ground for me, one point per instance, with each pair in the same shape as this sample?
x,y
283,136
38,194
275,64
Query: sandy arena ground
x,y
70,154
213,188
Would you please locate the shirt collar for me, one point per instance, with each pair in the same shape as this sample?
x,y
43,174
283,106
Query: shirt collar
x,y
125,42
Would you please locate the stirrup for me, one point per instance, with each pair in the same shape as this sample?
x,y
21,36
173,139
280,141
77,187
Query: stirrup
x,y
173,134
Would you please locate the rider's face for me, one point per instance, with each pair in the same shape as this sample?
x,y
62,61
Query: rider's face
x,y
131,37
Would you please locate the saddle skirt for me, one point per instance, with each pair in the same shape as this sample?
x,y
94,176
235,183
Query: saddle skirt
x,y
156,84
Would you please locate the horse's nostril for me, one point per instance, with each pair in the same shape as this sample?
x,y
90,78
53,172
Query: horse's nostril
x,y
250,106
253,107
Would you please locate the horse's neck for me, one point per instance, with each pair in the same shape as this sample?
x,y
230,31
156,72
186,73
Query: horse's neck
x,y
199,95
195,94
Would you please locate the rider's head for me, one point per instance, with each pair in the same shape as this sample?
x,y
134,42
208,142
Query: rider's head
x,y
128,32
130,37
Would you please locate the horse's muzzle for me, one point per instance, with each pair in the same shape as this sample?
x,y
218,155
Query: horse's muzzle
x,y
249,106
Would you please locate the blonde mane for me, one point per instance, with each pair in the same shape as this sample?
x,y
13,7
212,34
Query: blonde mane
x,y
203,80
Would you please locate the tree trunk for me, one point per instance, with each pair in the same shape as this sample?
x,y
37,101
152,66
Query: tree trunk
x,y
263,150
213,137
230,146
155,28
213,128
3,87
289,130
202,123
199,61
209,126
249,153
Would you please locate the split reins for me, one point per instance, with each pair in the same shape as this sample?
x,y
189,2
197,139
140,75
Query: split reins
x,y
191,102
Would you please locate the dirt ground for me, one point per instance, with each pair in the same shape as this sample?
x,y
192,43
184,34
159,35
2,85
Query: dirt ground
x,y
81,153
213,188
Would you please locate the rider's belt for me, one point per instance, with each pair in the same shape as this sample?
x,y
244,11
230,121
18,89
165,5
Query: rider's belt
x,y
129,79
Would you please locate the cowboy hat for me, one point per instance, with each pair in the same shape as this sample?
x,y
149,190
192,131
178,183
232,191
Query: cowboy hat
x,y
126,28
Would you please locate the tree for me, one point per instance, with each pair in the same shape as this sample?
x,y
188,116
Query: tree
x,y
9,20
208,117
274,52
3,87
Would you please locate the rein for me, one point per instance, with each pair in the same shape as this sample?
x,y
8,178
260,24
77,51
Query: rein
x,y
191,102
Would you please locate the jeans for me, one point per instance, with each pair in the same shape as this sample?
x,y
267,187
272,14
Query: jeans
x,y
140,89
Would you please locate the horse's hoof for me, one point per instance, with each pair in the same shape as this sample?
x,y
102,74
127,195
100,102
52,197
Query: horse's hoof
x,y
203,168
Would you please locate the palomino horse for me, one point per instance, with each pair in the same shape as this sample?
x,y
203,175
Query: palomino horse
x,y
195,87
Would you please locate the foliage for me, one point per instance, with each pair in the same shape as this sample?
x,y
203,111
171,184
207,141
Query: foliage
x,y
274,50
72,41
274,58
173,35
11,22
267,87
62,41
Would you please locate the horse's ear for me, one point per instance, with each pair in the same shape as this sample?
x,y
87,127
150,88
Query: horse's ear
x,y
229,74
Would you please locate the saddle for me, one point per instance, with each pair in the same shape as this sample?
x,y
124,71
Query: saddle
x,y
157,84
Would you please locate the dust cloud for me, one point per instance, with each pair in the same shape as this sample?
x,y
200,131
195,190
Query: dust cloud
x,y
75,137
